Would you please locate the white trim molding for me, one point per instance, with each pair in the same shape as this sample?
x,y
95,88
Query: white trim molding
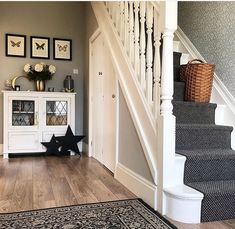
x,y
137,184
91,39
220,93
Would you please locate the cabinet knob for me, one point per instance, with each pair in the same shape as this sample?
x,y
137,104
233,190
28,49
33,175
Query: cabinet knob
x,y
113,96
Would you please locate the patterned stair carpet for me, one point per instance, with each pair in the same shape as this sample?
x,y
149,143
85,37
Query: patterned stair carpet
x,y
132,213
210,163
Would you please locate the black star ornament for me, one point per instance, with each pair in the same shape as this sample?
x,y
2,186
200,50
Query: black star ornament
x,y
69,142
52,146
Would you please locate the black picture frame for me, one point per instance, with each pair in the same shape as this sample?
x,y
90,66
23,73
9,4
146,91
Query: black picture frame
x,y
62,49
39,47
15,45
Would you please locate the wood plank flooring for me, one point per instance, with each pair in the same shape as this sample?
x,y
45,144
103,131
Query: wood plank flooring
x,y
28,183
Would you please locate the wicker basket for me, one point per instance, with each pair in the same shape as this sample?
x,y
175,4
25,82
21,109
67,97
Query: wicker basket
x,y
199,79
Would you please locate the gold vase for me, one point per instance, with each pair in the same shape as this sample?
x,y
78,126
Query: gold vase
x,y
40,85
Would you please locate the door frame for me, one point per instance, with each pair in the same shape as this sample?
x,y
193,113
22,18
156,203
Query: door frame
x,y
92,38
90,124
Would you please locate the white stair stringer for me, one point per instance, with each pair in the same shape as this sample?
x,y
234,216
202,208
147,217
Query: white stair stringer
x,y
140,113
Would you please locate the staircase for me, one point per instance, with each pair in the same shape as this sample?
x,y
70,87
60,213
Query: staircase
x,y
210,161
202,189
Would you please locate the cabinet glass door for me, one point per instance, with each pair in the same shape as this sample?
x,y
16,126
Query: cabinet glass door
x,y
56,113
23,113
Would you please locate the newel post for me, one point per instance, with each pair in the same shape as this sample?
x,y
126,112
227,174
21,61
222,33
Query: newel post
x,y
166,121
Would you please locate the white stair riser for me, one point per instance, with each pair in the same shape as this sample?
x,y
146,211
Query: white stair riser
x,y
183,210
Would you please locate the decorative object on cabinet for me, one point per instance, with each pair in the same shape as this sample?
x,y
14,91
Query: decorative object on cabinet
x,y
52,146
33,117
51,89
13,81
40,73
69,84
62,49
17,87
15,45
8,85
40,47
40,85
69,141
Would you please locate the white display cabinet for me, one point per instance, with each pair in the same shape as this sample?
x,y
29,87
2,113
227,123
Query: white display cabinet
x,y
32,117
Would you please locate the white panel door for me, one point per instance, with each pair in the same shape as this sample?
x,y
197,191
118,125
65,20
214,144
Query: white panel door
x,y
97,97
109,129
103,104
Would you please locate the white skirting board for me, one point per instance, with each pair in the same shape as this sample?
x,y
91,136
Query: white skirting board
x,y
1,149
137,184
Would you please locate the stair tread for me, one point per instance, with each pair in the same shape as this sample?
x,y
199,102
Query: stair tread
x,y
215,188
186,103
203,126
208,154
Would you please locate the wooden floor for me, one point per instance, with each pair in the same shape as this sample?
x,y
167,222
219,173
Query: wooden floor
x,y
41,182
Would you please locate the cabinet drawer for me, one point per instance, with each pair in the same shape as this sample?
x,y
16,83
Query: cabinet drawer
x,y
23,141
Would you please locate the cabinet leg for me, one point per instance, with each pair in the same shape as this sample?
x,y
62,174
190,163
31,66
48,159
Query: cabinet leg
x,y
5,156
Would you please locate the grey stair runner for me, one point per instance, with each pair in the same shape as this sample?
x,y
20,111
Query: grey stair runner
x,y
179,88
210,163
201,136
194,113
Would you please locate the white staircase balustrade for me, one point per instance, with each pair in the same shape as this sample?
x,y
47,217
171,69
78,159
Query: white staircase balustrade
x,y
139,26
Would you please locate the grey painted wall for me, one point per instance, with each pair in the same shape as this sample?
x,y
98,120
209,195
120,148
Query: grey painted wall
x,y
210,27
60,19
91,27
131,153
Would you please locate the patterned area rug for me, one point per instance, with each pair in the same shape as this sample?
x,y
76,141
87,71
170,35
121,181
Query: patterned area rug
x,y
116,214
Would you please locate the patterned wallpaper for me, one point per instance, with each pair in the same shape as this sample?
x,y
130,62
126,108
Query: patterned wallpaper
x,y
211,28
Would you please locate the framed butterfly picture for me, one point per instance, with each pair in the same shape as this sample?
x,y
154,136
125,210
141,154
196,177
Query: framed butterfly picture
x,y
62,49
40,47
15,45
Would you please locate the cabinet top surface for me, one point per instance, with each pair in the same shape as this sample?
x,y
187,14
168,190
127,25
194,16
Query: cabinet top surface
x,y
38,93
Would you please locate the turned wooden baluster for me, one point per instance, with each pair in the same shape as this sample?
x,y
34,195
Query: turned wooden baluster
x,y
113,12
110,9
122,22
117,18
149,54
107,5
142,45
126,36
136,38
131,25
157,63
